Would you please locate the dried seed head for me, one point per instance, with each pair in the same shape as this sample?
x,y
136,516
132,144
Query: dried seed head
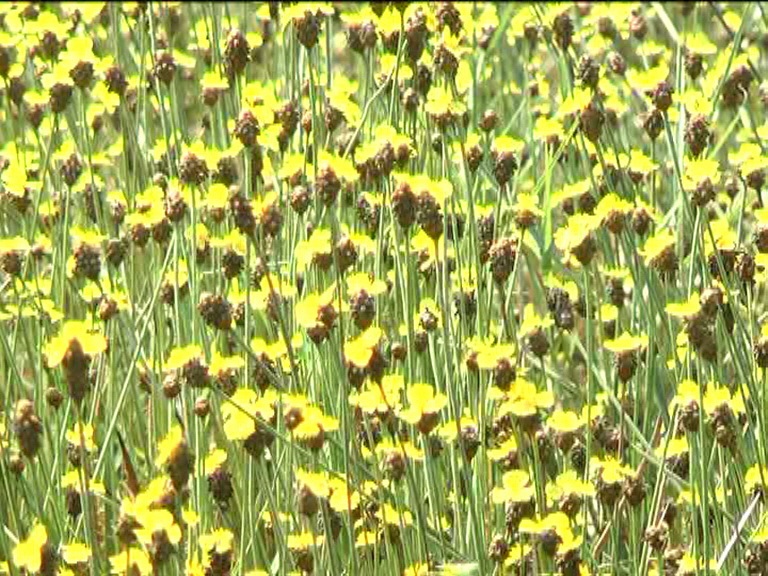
x,y
591,121
653,123
27,427
231,263
474,157
697,134
504,373
116,250
175,206
429,215
71,169
327,185
505,165
416,35
115,80
180,465
216,311
165,67
589,72
236,52
363,309
361,36
693,64
563,29
404,204
537,342
59,97
271,219
448,15
410,100
220,487
54,397
87,261
445,61
193,169
242,213
736,86
502,256
346,254
202,407
247,128
498,549
307,29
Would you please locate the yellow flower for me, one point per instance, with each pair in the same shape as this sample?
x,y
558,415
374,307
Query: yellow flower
x,y
657,246
533,322
687,393
569,484
15,244
91,343
75,553
575,238
239,413
690,307
610,470
220,541
515,487
132,560
73,437
359,281
677,447
424,407
157,521
168,445
442,105
359,351
557,521
524,401
417,569
626,343
755,479
406,449
381,398
313,427
507,450
308,309
565,421
182,356
72,480
718,396
526,209
304,540
316,483
27,554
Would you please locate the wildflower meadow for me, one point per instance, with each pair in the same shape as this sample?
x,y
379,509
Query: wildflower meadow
x,y
386,288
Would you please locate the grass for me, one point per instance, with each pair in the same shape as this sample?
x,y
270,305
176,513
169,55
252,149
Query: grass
x,y
382,289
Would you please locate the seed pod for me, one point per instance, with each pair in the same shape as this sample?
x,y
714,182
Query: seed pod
x,y
236,52
216,311
193,169
588,72
307,29
563,29
165,67
591,121
429,215
27,428
59,97
489,121
404,205
697,134
247,128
